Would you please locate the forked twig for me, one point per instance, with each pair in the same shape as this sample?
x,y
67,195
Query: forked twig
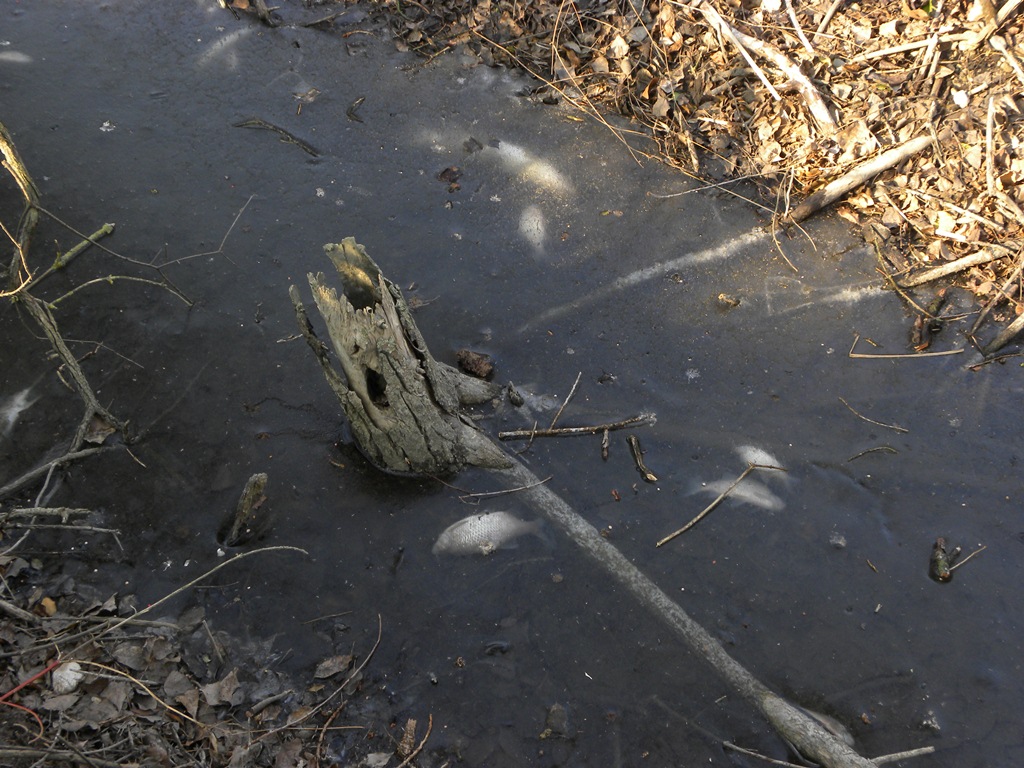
x,y
567,399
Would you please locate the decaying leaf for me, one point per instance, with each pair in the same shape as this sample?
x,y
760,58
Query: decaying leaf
x,y
332,666
224,691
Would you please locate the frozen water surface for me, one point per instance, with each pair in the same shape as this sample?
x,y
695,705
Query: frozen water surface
x,y
552,257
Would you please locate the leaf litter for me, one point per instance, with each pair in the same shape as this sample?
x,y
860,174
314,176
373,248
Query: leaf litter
x,y
792,97
92,683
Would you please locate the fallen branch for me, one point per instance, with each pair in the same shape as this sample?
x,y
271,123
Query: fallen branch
x,y
854,178
1005,336
983,256
815,103
809,737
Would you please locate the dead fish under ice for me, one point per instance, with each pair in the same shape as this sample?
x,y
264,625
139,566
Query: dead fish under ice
x,y
747,491
12,409
751,454
484,533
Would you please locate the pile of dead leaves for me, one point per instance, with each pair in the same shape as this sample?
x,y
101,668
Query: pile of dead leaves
x,y
124,691
921,99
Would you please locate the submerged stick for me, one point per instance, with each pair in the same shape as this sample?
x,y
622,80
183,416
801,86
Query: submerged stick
x,y
805,734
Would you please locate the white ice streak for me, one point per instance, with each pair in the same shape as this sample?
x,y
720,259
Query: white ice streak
x,y
224,49
533,227
719,252
748,491
482,534
788,294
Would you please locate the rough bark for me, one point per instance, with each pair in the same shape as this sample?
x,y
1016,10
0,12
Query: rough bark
x,y
404,408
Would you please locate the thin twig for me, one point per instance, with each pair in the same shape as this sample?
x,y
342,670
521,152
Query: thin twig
x,y
589,109
791,12
990,173
827,18
707,510
1003,292
900,356
66,258
170,286
352,676
975,552
567,399
34,474
109,279
947,204
489,494
223,240
56,756
1004,337
894,427
885,448
758,755
723,28
523,434
19,613
897,756
955,38
144,687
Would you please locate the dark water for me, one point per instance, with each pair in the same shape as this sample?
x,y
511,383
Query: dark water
x,y
552,257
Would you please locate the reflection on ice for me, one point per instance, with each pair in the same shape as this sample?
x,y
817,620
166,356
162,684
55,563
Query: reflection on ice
x,y
532,227
531,168
727,249
787,294
224,49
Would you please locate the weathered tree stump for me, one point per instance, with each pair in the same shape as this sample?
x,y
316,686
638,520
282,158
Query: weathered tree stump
x,y
404,407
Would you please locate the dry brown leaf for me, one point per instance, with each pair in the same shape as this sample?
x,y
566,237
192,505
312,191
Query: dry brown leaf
x,y
332,666
224,691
